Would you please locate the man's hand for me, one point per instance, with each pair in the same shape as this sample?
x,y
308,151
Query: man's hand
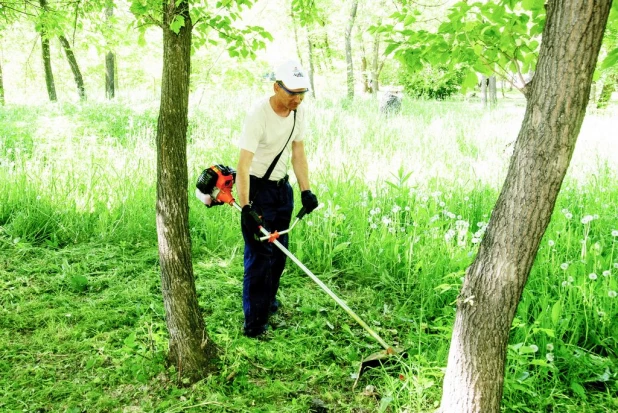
x,y
250,219
309,200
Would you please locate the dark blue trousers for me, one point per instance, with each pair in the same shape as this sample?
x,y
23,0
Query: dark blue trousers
x,y
264,262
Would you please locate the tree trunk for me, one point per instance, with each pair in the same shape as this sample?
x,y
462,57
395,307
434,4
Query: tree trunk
x,y
79,81
609,85
110,90
190,348
494,282
296,41
348,49
1,87
493,93
364,69
311,68
49,75
375,65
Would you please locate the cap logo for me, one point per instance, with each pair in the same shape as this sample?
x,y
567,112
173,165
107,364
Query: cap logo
x,y
297,73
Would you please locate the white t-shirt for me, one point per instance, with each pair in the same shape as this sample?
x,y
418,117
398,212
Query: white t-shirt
x,y
265,133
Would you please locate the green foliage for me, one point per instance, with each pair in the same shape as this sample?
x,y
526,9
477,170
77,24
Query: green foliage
x,y
432,83
490,38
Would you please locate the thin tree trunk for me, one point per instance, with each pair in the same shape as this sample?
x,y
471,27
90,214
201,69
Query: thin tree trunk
x,y
375,65
348,49
364,69
311,68
495,281
190,348
296,41
1,87
493,93
49,75
79,81
110,90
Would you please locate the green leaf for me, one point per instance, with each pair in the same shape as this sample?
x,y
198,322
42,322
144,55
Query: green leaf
x,y
578,389
556,312
341,247
177,24
470,81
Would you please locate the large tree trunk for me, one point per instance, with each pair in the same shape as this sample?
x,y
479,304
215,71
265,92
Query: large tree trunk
x,y
494,282
190,348
110,71
49,75
348,49
79,81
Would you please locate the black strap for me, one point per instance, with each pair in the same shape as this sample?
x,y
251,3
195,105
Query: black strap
x,y
274,162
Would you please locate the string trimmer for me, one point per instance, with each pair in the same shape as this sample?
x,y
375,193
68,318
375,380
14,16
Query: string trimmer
x,y
214,187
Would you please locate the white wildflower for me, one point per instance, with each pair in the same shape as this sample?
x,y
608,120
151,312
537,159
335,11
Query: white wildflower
x,y
549,347
606,273
592,276
615,233
564,266
587,219
612,294
551,243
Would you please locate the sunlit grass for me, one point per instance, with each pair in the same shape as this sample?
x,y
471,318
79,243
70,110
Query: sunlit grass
x,y
406,199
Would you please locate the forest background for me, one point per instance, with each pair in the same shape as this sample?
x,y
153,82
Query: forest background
x,y
407,200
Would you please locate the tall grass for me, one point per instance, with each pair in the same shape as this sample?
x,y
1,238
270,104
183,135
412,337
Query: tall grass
x,y
407,200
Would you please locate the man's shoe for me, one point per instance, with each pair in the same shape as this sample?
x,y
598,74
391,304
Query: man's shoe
x,y
274,306
255,332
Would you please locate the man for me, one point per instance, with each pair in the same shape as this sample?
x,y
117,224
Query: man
x,y
273,131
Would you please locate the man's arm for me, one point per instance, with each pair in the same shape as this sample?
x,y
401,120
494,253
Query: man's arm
x,y
300,165
242,176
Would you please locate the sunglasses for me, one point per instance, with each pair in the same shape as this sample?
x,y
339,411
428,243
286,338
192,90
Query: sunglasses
x,y
289,92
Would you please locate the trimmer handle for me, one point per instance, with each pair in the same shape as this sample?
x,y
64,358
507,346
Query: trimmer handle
x,y
301,213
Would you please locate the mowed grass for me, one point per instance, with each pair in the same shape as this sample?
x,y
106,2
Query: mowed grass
x,y
407,199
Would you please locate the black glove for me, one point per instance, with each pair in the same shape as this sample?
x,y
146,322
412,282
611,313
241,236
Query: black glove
x,y
309,200
250,219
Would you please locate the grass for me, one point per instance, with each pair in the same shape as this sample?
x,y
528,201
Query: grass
x,y
406,201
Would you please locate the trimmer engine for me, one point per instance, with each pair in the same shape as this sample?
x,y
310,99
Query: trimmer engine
x,y
214,185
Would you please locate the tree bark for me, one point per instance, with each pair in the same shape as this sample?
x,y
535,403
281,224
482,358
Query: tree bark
x,y
110,71
493,93
190,348
311,67
375,70
348,49
494,282
296,41
1,87
79,80
49,75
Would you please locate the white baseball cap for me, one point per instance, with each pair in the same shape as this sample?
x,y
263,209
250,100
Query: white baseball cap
x,y
292,75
